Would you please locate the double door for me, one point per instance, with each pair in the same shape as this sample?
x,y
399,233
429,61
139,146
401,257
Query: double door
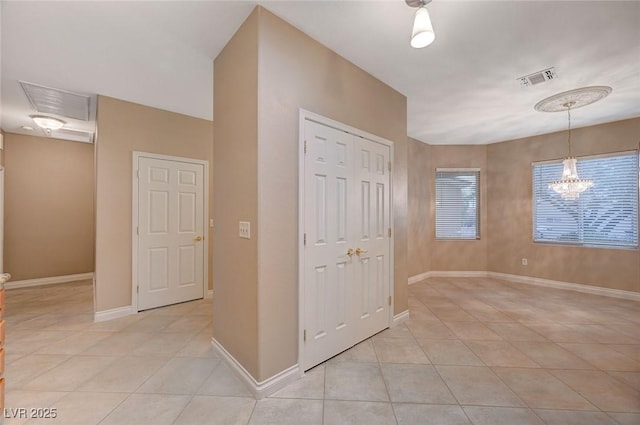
x,y
347,232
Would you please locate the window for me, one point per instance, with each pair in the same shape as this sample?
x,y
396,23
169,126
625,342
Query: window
x,y
606,215
457,204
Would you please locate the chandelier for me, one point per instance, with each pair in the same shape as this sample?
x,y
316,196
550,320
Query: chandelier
x,y
570,185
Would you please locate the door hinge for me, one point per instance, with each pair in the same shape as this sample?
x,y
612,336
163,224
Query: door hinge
x,y
305,146
389,163
304,239
389,300
389,232
304,336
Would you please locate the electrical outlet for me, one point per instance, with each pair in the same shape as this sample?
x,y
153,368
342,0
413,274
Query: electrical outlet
x,y
524,262
245,230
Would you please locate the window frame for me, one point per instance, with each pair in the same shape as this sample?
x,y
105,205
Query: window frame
x,y
584,244
471,170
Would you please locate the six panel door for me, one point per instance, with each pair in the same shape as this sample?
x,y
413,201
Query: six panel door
x,y
171,232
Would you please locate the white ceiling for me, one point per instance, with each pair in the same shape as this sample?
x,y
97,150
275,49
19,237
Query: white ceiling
x,y
461,90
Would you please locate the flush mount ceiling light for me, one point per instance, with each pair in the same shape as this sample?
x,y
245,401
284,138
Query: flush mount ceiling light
x,y
570,186
422,34
47,123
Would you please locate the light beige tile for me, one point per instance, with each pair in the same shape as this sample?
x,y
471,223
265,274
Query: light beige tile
x,y
70,374
408,383
358,413
354,381
147,409
399,351
515,332
631,351
191,324
151,323
26,400
603,357
539,389
214,410
604,334
630,378
311,385
551,355
417,414
558,332
30,366
81,409
449,352
602,390
569,417
400,331
74,344
118,344
180,375
478,386
500,353
430,330
362,352
199,346
472,331
162,344
626,418
223,382
125,374
502,416
284,411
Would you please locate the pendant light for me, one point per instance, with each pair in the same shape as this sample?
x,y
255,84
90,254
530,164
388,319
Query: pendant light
x,y
422,34
570,185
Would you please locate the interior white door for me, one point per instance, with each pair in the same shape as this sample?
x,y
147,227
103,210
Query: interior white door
x,y
170,232
346,253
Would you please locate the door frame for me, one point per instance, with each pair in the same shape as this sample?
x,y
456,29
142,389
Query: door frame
x,y
305,116
134,219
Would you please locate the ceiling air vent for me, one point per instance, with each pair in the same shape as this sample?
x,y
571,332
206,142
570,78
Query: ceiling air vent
x,y
538,77
73,134
55,101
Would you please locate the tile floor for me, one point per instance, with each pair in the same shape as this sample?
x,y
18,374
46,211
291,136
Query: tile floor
x,y
475,351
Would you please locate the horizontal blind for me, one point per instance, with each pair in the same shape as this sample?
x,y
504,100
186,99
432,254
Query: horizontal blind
x,y
605,215
457,204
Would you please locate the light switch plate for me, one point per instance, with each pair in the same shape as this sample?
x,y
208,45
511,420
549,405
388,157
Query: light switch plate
x,y
245,230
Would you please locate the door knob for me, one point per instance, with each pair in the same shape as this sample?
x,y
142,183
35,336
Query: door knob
x,y
350,252
198,238
361,251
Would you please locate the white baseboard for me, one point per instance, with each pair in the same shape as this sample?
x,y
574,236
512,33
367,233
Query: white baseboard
x,y
436,273
399,318
259,389
419,277
209,294
114,313
47,280
578,287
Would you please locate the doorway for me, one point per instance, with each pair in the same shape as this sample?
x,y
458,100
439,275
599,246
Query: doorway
x,y
346,259
169,214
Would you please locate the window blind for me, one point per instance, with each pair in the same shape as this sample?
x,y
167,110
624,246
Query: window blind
x,y
605,215
457,204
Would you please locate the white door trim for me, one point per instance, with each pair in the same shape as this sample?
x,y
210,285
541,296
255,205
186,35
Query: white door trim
x,y
134,218
311,116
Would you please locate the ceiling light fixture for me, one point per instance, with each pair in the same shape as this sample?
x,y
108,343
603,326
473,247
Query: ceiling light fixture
x,y
47,123
570,186
422,34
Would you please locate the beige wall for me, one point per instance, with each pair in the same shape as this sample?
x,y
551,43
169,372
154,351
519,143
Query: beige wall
x,y
506,197
49,228
510,210
297,72
420,219
293,71
459,255
235,194
124,127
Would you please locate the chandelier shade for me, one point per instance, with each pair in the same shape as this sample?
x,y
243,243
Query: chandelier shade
x,y
422,34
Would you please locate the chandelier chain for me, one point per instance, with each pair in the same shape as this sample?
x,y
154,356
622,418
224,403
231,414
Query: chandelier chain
x,y
569,115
